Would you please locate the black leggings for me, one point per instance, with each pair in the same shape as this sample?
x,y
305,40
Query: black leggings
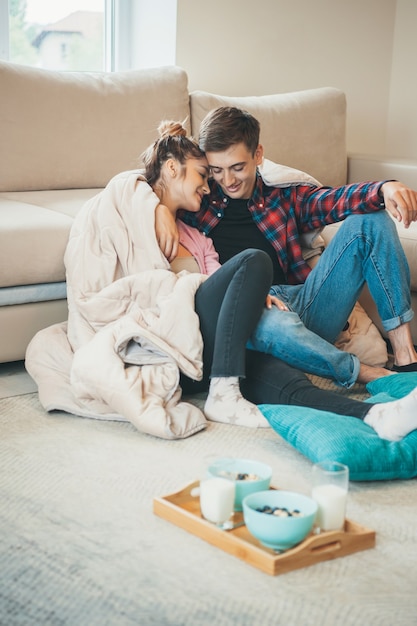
x,y
229,304
271,381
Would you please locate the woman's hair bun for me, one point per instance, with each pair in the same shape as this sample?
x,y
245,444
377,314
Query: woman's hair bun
x,y
173,143
169,128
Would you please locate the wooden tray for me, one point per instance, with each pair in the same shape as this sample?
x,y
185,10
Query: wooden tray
x,y
183,509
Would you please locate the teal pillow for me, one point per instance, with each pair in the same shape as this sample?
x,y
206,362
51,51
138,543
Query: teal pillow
x,y
322,435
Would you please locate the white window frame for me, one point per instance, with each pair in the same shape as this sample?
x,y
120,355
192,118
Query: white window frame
x,y
4,29
110,35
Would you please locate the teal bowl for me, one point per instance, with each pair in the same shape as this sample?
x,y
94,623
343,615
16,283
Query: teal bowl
x,y
260,475
279,533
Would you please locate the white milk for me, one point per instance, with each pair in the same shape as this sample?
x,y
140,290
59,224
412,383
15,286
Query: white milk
x,y
331,511
217,497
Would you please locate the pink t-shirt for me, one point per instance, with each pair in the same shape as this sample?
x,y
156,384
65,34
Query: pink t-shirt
x,y
200,246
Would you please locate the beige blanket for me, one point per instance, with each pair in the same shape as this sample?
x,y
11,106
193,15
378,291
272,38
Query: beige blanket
x,y
131,326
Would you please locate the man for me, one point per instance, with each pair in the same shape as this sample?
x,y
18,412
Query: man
x,y
311,307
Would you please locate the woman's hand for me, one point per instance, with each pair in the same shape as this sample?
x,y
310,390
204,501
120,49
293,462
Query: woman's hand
x,y
166,232
273,300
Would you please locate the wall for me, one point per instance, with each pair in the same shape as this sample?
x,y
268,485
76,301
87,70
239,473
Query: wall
x,y
239,47
402,114
153,38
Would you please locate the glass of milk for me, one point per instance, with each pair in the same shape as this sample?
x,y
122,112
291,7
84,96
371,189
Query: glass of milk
x,y
330,489
217,496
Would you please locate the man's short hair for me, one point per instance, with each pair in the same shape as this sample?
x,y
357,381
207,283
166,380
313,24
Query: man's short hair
x,y
226,126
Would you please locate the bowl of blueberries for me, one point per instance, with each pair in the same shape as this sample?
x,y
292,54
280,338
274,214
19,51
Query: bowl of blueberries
x,y
279,519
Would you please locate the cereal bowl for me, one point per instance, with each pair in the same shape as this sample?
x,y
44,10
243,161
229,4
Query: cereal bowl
x,y
279,519
249,476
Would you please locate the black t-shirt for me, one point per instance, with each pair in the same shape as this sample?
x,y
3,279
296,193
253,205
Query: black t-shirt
x,y
237,231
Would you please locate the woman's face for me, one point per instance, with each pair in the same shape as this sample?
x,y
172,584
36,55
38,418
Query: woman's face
x,y
193,184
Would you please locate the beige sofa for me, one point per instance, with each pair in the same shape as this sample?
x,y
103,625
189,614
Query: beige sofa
x,y
64,135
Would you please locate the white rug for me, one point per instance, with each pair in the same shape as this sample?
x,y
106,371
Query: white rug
x,y
80,545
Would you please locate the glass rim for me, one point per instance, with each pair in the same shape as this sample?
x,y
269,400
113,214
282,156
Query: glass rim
x,y
331,466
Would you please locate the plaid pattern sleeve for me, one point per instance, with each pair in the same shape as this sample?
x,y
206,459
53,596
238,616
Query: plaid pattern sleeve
x,y
284,213
321,206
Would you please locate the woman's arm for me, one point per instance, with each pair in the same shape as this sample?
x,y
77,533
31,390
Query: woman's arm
x,y
166,232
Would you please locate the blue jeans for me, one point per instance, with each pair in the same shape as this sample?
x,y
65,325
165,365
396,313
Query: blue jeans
x,y
366,248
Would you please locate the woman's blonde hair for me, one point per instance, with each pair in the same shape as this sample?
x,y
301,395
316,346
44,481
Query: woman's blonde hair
x,y
172,143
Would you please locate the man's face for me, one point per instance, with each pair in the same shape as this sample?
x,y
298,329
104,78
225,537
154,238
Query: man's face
x,y
235,170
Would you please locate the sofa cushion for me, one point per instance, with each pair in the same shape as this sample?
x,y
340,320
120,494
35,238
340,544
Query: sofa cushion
x,y
363,338
408,238
34,234
20,322
41,292
65,201
304,129
72,130
321,435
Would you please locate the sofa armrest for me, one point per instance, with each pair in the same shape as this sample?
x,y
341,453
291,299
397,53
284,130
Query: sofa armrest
x,y
365,168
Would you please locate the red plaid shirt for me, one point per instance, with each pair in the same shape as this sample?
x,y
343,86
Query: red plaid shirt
x,y
282,214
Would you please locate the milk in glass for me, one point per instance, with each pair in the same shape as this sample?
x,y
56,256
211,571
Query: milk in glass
x,y
217,497
331,501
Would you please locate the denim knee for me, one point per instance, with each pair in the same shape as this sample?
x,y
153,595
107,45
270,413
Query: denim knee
x,y
277,331
376,222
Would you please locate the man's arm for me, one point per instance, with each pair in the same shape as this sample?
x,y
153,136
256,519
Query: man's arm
x,y
166,232
320,206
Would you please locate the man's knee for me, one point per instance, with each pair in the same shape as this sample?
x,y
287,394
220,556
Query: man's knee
x,y
378,222
276,323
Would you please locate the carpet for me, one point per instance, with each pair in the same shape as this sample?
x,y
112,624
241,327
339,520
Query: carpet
x,y
356,392
80,545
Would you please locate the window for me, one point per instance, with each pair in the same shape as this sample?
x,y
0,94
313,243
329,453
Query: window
x,y
65,35
64,51
88,35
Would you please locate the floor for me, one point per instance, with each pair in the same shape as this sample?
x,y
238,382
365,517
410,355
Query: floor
x,y
14,380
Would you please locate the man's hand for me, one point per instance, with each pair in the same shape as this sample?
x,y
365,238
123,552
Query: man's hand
x,y
273,300
400,201
166,232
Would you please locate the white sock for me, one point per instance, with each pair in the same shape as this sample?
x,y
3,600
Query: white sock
x,y
226,404
394,420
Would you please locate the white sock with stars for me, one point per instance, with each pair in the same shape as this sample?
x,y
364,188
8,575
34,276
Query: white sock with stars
x,y
226,404
394,420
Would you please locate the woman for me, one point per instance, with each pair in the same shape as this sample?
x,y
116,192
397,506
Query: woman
x,y
128,306
230,302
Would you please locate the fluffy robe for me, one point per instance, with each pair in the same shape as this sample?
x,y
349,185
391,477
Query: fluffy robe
x,y
131,325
